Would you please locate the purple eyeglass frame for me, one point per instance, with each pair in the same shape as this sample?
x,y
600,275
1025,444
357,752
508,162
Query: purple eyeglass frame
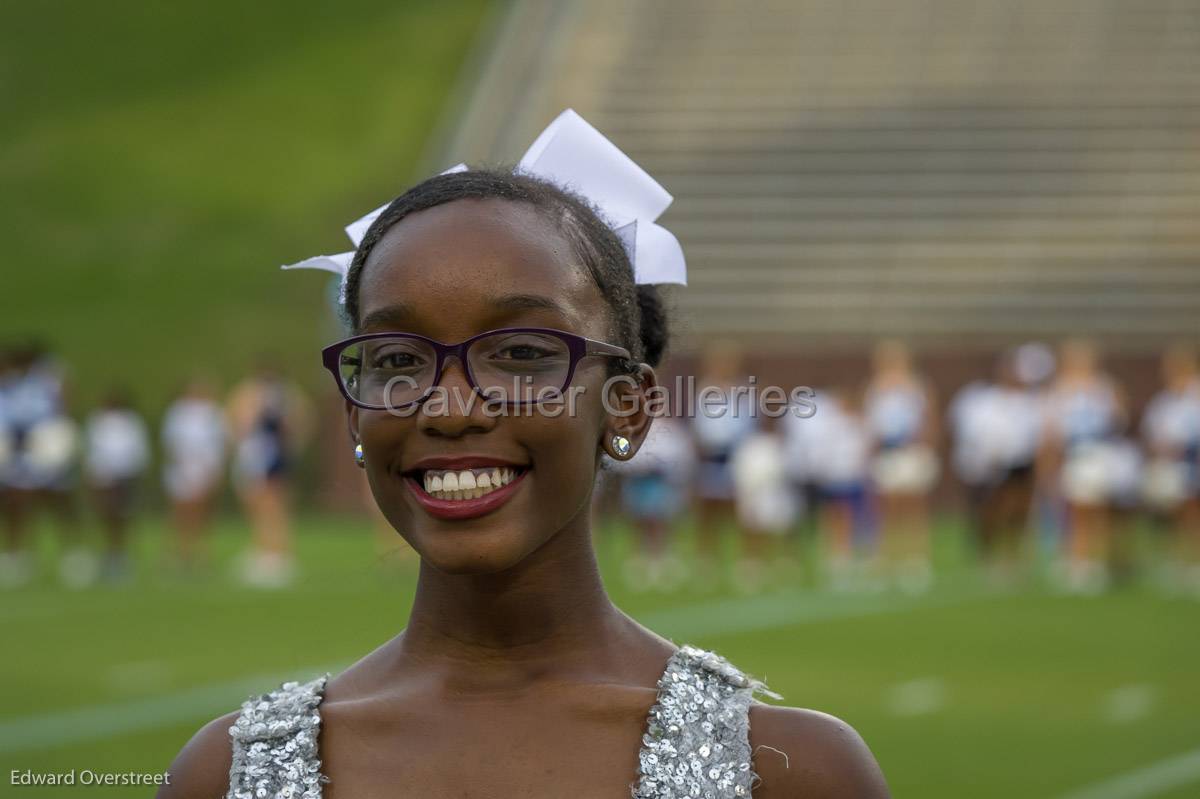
x,y
578,347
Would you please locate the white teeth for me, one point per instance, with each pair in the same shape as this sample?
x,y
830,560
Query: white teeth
x,y
466,483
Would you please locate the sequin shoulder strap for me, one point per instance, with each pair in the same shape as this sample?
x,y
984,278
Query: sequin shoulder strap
x,y
697,742
275,744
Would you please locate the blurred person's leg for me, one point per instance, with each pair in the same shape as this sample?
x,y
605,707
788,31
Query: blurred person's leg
x,y
59,499
837,522
1185,549
871,540
713,518
750,568
190,519
652,502
269,562
274,528
913,529
903,558
16,562
114,503
978,496
78,566
14,505
1015,503
1121,557
988,527
766,513
1087,557
716,511
667,570
652,565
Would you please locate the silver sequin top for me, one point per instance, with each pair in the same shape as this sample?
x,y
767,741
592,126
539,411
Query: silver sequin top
x,y
696,745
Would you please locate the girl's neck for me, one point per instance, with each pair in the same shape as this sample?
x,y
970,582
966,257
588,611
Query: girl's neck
x,y
545,618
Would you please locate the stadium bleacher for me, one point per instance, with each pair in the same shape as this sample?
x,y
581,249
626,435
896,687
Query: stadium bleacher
x,y
961,174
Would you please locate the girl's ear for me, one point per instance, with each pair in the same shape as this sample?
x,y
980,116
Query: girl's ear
x,y
631,402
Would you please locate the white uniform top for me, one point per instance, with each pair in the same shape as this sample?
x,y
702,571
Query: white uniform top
x,y
33,397
193,437
1171,423
116,446
895,414
996,428
969,417
726,424
831,448
1083,413
763,493
39,440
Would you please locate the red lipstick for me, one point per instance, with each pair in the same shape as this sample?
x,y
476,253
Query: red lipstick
x,y
458,509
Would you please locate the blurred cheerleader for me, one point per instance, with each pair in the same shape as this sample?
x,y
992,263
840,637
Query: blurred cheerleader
x,y
1171,487
116,455
654,486
832,448
900,412
767,505
270,420
718,427
40,453
193,441
1084,414
997,427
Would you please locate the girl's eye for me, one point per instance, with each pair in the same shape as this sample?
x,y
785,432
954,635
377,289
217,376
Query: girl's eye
x,y
522,352
396,359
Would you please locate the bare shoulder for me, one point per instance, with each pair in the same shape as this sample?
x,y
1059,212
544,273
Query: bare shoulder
x,y
818,756
201,769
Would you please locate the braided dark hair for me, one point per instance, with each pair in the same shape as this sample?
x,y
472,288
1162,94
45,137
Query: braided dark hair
x,y
638,316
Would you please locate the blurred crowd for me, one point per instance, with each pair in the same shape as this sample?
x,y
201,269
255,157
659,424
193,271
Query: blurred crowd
x,y
51,464
1056,469
1056,472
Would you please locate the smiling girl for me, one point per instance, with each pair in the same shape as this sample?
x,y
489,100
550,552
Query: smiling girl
x,y
516,675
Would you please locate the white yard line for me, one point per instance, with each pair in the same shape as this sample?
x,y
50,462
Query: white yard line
x,y
767,612
66,727
1148,781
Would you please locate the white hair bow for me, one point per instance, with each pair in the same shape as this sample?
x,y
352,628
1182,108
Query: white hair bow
x,y
573,155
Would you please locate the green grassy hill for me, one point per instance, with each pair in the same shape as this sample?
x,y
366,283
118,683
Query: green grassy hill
x,y
160,161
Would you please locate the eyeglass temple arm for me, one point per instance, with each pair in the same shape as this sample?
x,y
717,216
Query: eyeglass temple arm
x,y
600,348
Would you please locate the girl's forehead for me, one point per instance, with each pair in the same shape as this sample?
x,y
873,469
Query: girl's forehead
x,y
469,257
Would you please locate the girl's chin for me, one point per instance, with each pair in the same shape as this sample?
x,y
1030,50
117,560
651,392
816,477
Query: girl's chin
x,y
475,558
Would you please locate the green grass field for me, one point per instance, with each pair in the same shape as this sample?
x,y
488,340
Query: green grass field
x,y
160,161
962,692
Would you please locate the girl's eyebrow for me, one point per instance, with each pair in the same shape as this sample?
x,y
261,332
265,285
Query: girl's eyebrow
x,y
529,302
400,314
389,316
